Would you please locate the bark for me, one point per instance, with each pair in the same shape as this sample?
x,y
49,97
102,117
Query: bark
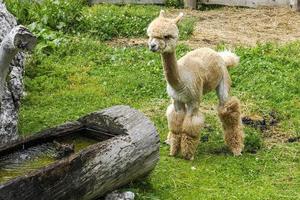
x,y
132,153
12,71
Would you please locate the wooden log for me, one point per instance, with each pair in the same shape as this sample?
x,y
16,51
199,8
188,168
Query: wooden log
x,y
102,167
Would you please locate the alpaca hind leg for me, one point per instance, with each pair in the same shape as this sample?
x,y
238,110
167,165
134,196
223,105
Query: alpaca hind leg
x,y
230,116
175,115
223,90
190,131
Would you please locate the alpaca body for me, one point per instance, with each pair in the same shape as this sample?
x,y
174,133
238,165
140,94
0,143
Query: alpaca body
x,y
200,71
188,79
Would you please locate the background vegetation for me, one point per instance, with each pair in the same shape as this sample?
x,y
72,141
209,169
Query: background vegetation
x,y
72,72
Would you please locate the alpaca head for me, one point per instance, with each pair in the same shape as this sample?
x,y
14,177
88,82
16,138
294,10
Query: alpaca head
x,y
163,33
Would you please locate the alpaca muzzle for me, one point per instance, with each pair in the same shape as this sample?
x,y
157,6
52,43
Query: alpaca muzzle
x,y
153,47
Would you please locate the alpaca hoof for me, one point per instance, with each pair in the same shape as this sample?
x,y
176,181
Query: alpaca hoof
x,y
188,157
173,151
174,141
172,154
189,146
167,141
237,152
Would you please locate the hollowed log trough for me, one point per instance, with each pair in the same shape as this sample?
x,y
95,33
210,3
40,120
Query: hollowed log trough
x,y
127,149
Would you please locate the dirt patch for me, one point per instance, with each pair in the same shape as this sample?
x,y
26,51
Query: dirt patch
x,y
270,129
235,26
127,42
244,26
262,123
293,139
275,136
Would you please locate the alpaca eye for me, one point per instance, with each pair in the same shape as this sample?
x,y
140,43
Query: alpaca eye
x,y
167,37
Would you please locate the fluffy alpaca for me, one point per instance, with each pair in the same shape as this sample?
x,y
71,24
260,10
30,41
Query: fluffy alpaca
x,y
195,74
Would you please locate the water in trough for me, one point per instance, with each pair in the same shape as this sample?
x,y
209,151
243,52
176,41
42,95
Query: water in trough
x,y
24,160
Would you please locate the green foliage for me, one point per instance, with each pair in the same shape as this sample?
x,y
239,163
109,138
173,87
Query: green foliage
x,y
54,14
253,140
48,19
174,3
103,21
109,21
49,40
186,28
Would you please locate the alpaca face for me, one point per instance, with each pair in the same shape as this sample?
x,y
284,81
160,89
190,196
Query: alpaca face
x,y
163,33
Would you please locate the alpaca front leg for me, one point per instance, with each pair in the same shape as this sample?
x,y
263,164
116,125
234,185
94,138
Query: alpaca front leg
x,y
192,124
175,115
230,116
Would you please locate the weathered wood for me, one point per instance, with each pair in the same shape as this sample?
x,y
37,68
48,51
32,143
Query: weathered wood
x,y
191,4
295,4
127,1
132,153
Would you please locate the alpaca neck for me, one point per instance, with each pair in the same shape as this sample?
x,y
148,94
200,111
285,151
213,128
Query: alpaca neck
x,y
171,69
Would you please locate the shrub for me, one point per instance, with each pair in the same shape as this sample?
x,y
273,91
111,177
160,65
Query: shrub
x,y
174,3
101,21
55,14
108,21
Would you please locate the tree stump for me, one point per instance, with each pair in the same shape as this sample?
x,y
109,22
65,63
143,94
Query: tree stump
x,y
131,152
12,95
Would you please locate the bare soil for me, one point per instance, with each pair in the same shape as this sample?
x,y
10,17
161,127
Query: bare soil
x,y
244,26
235,26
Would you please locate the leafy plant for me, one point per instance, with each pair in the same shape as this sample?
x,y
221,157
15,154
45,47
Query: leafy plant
x,y
174,3
186,28
54,14
109,21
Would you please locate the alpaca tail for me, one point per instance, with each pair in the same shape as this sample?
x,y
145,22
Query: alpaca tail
x,y
231,59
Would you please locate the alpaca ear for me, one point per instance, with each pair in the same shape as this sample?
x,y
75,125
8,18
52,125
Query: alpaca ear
x,y
162,13
178,18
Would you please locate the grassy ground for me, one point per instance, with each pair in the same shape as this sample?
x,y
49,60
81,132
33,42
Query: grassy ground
x,y
73,73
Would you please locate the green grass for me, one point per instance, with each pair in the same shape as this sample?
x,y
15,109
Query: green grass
x,y
85,75
72,73
103,22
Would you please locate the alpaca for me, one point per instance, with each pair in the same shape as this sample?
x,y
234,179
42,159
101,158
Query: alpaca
x,y
19,39
195,74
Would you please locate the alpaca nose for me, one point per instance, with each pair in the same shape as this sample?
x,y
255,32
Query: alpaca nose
x,y
153,47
